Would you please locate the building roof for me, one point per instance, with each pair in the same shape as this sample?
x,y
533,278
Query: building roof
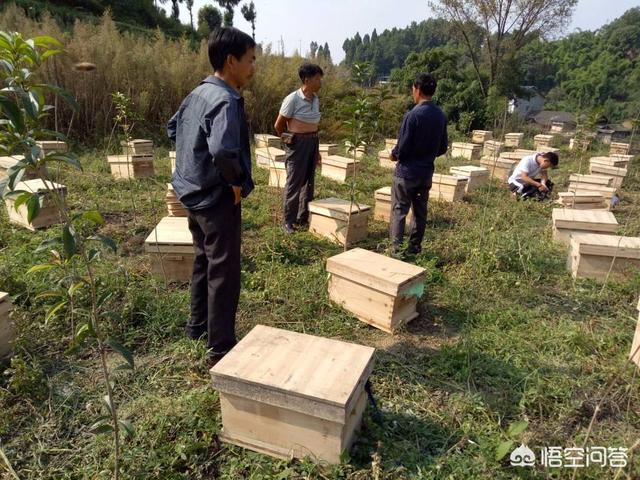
x,y
547,117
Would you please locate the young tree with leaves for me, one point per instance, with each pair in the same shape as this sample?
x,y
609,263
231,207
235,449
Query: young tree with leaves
x,y
249,13
228,6
209,18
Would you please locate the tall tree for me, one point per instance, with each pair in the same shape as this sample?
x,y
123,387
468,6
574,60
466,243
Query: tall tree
x,y
327,52
313,50
190,8
209,18
506,26
228,6
175,9
249,13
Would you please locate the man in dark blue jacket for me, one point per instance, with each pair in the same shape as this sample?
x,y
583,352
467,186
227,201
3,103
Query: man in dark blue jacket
x,y
213,173
422,138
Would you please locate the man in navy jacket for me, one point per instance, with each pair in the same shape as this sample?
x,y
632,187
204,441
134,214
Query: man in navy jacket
x,y
422,138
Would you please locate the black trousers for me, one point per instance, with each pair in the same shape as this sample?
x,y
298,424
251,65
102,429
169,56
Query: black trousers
x,y
301,170
406,194
215,284
529,191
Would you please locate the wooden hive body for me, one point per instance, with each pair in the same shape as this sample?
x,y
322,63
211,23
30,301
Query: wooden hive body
x,y
327,149
594,179
634,354
542,142
582,200
492,148
339,168
477,176
615,173
625,159
517,156
48,215
579,144
513,140
288,394
615,161
481,136
137,147
384,157
330,219
568,221
447,188
51,146
267,157
174,206
277,175
378,290
619,148
7,330
170,246
382,206
470,151
499,168
598,256
265,140
390,143
131,166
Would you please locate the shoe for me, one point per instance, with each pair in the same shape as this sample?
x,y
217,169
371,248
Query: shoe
x,y
414,250
213,358
302,225
288,228
195,335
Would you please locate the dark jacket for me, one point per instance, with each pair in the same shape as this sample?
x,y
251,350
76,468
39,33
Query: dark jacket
x,y
212,144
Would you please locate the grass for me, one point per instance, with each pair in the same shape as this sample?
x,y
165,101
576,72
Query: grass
x,y
504,334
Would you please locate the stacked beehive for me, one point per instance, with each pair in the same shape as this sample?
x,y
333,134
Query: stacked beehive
x,y
513,140
269,156
136,161
174,207
481,136
613,161
378,290
619,148
579,143
289,394
341,221
615,173
48,214
470,151
447,188
170,246
492,148
544,142
476,176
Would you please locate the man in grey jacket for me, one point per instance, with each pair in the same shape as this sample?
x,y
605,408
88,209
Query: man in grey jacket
x,y
213,173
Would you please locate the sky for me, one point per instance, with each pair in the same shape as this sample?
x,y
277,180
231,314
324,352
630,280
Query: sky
x,y
298,23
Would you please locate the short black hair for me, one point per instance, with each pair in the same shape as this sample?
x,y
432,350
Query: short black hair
x,y
309,70
552,157
426,83
227,41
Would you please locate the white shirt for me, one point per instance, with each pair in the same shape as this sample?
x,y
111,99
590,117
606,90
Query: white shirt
x,y
528,165
296,105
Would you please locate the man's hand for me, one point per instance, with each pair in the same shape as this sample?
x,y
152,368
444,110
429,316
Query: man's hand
x,y
237,193
543,188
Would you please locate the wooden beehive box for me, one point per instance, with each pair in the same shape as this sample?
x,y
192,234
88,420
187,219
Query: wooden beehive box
x,y
583,200
7,162
579,144
600,256
568,221
172,160
384,157
137,146
606,192
634,354
51,146
390,143
289,394
131,166
477,176
48,215
269,156
339,220
616,162
265,140
470,151
513,140
174,207
327,149
619,148
447,188
481,136
339,168
543,142
170,246
277,175
492,148
7,331
517,156
382,205
499,168
377,289
616,174
623,160
602,180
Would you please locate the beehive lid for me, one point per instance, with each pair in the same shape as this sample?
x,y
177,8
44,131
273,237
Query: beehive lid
x,y
9,161
38,186
447,180
543,136
621,156
317,376
481,132
271,153
469,170
465,145
581,197
338,161
620,144
265,137
609,170
336,208
514,135
131,158
493,143
327,146
595,179
46,144
606,245
598,220
525,152
277,165
170,231
376,271
136,142
498,162
383,193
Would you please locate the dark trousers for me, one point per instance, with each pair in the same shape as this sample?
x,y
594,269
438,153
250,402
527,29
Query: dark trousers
x,y
409,193
215,284
529,191
301,170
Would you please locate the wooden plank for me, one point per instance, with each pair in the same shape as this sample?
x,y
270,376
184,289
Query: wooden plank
x,y
170,231
304,373
376,271
584,219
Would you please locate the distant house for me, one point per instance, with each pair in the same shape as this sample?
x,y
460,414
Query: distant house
x,y
527,105
609,132
555,121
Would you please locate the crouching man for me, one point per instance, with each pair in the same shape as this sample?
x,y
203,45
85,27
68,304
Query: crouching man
x,y
530,178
